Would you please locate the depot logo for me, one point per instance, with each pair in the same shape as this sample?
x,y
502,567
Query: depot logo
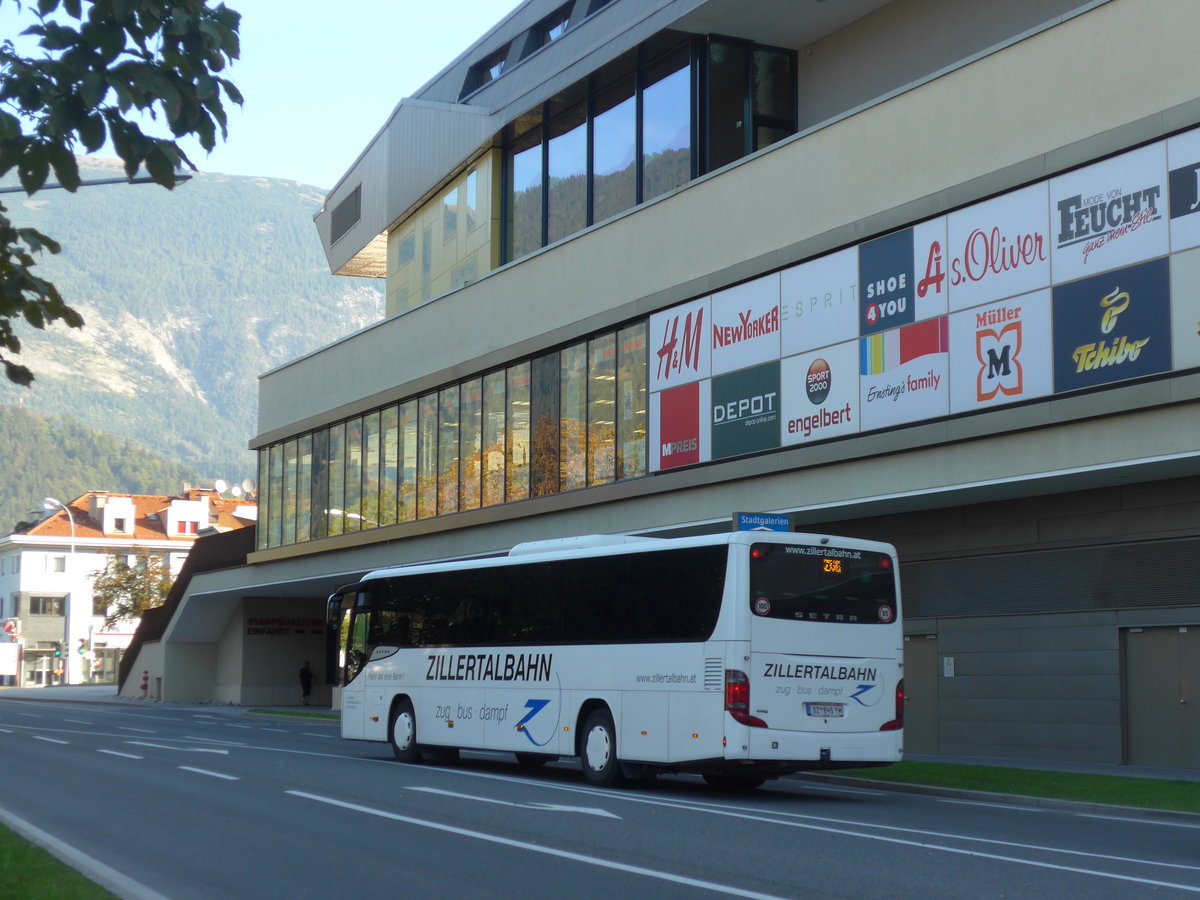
x,y
745,409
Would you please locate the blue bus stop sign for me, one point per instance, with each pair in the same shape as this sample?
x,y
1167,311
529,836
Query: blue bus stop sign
x,y
761,522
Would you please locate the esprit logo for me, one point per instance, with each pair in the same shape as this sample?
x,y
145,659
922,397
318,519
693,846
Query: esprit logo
x,y
675,357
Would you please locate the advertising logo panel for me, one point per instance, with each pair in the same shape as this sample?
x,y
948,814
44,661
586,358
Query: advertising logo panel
x,y
745,325
818,302
680,345
903,374
1185,309
1112,327
1000,248
1110,214
745,411
931,293
1001,353
885,278
679,426
1183,161
820,394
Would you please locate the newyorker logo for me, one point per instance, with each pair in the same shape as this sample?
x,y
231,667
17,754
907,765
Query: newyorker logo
x,y
1102,218
749,326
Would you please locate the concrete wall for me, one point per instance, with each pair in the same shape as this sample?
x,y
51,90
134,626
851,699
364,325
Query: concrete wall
x,y
278,636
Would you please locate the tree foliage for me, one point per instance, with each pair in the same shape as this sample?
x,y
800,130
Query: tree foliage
x,y
127,591
105,68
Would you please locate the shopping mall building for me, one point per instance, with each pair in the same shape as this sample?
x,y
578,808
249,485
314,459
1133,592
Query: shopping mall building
x,y
923,271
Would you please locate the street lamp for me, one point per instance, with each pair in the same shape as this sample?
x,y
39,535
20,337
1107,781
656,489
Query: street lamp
x,y
50,503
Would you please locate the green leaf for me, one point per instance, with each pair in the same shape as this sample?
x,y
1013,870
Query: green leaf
x,y
33,169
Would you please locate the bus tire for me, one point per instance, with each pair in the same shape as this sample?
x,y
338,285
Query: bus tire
x,y
726,782
403,733
598,750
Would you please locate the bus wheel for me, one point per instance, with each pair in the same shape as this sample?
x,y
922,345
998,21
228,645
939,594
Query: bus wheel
x,y
725,782
404,733
598,750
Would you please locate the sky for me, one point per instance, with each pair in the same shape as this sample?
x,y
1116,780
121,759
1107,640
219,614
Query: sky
x,y
320,78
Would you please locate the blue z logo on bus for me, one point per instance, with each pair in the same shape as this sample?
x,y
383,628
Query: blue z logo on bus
x,y
534,707
862,689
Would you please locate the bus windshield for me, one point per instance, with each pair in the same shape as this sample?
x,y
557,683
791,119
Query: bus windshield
x,y
822,584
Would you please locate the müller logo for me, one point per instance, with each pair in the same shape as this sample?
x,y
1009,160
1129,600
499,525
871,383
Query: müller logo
x,y
1105,217
1100,354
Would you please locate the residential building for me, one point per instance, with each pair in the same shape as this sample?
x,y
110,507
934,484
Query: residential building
x,y
47,573
915,270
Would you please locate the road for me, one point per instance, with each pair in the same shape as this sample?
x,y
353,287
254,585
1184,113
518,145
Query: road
x,y
209,802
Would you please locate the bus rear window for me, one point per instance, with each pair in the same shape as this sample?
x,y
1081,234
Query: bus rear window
x,y
822,584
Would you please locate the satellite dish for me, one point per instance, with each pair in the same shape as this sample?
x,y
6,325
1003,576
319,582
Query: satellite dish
x,y
249,485
237,491
221,485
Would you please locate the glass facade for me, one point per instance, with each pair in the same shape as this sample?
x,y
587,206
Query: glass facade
x,y
566,420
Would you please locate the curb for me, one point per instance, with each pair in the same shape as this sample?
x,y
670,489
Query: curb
x,y
1080,806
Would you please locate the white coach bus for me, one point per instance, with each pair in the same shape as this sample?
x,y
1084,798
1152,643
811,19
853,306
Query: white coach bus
x,y
740,656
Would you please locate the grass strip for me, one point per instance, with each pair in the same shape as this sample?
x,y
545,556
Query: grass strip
x,y
1116,790
297,714
30,873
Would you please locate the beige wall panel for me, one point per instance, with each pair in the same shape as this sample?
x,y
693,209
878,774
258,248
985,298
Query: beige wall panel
x,y
149,659
189,673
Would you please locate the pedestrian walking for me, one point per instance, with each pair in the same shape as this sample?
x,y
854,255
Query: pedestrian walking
x,y
306,676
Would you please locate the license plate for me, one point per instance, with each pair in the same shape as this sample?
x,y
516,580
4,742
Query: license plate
x,y
825,710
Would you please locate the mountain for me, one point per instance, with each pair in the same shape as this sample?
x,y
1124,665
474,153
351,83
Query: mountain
x,y
62,459
187,296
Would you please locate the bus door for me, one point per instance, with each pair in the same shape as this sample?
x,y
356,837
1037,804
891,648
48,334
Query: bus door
x,y
824,633
353,625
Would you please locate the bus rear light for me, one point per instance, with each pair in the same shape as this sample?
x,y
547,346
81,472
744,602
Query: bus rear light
x,y
737,699
897,723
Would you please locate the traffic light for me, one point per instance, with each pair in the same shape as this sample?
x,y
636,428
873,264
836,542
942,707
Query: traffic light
x,y
57,649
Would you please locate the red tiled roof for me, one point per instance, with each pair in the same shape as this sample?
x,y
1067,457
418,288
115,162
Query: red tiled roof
x,y
144,527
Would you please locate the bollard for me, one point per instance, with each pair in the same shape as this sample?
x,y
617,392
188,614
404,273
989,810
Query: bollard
x,y
145,682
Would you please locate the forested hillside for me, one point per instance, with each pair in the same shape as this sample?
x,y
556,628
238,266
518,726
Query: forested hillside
x,y
62,459
188,295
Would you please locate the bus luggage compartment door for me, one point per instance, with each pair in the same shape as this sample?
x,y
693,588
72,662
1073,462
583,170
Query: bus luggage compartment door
x,y
817,693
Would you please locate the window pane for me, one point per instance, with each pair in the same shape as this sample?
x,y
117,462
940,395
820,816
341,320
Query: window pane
x,y
492,439
275,503
614,152
406,509
602,380
472,198
370,497
450,215
426,260
471,404
517,445
728,95
407,249
525,197
319,526
543,421
337,478
448,439
631,403
774,84
573,418
667,132
263,537
304,473
567,162
289,492
352,508
427,458
389,440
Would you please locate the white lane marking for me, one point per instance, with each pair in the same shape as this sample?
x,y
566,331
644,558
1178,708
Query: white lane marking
x,y
1036,809
38,737
104,875
280,730
210,774
1126,819
231,725
181,749
119,753
841,790
7,730
549,807
29,715
138,730
79,721
313,734
537,848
